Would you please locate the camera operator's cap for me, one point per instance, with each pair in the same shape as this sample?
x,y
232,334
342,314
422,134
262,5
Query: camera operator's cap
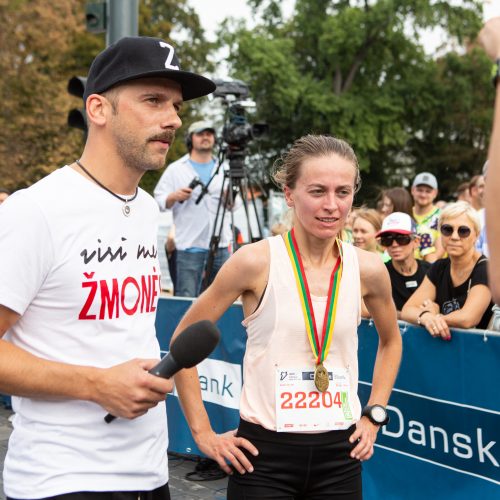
x,y
398,222
199,127
427,179
136,57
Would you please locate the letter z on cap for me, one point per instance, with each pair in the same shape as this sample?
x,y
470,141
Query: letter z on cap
x,y
136,57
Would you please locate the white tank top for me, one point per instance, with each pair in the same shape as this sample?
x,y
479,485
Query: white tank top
x,y
277,335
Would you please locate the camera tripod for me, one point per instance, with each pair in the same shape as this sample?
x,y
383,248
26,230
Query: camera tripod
x,y
235,182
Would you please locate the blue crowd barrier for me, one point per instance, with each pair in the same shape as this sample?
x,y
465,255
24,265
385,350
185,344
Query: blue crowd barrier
x,y
443,438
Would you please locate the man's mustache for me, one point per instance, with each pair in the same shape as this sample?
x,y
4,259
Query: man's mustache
x,y
167,136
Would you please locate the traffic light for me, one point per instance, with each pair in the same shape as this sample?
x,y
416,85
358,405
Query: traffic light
x,y
95,17
77,118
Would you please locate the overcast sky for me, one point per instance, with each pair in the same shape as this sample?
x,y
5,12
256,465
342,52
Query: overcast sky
x,y
212,12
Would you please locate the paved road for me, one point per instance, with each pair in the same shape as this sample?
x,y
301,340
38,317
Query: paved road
x,y
181,488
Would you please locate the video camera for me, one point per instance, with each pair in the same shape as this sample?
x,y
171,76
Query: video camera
x,y
237,132
196,181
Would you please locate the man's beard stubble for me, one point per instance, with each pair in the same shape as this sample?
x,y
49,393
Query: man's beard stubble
x,y
137,157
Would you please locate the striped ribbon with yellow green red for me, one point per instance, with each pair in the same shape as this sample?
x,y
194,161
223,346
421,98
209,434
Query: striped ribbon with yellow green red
x,y
320,348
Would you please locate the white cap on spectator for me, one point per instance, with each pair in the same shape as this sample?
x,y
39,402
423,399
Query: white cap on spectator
x,y
427,179
398,222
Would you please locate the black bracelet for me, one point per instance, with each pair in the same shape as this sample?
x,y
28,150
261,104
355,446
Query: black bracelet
x,y
420,315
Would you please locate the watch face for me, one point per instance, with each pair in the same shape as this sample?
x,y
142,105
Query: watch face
x,y
378,413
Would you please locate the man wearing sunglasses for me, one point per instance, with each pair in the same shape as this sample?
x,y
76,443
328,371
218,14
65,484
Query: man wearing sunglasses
x,y
399,237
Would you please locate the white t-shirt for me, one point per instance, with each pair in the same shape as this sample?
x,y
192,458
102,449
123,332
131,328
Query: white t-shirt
x,y
194,223
85,280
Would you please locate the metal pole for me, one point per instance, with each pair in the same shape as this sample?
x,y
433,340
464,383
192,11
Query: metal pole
x,y
123,19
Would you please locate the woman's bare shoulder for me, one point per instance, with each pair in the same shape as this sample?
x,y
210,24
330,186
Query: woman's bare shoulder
x,y
252,258
369,262
372,270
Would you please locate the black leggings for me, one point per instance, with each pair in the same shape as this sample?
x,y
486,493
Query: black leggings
x,y
297,467
161,493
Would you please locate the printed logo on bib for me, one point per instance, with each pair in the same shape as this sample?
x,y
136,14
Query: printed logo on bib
x,y
300,407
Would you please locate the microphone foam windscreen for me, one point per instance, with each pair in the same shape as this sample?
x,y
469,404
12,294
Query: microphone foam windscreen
x,y
195,343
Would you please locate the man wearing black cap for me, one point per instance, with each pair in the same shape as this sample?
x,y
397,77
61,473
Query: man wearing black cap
x,y
80,283
179,189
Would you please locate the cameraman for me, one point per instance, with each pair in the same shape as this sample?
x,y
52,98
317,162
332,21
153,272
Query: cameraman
x,y
178,189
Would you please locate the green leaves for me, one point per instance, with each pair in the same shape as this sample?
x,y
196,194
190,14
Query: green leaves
x,y
43,45
360,71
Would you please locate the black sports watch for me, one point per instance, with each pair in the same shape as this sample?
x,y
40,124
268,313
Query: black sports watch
x,y
377,414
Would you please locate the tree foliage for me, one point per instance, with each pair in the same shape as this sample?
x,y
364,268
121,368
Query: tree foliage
x,y
34,55
359,70
354,69
43,45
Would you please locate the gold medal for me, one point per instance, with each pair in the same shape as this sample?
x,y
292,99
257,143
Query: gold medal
x,y
320,344
321,380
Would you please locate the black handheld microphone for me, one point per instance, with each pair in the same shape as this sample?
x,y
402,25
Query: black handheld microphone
x,y
192,346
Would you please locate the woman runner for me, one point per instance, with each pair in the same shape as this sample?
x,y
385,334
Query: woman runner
x,y
301,433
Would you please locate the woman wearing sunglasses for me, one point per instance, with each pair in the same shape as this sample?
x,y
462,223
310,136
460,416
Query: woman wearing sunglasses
x,y
400,239
455,291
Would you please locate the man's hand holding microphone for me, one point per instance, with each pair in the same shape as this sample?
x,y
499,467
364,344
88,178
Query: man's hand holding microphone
x,y
133,378
128,390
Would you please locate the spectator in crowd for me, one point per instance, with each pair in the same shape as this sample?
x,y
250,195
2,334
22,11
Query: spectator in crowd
x,y
79,289
367,223
308,265
171,253
194,222
489,37
4,194
396,199
455,291
346,234
462,192
476,192
424,191
399,237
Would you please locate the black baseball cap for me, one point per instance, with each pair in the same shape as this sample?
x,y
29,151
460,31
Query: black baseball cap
x,y
136,57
